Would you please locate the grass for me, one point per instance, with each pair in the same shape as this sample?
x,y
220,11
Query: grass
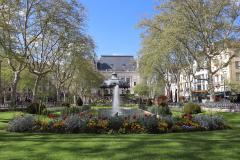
x,y
219,145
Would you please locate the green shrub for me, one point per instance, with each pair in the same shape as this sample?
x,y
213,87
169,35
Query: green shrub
x,y
191,108
75,124
79,102
74,110
36,108
160,110
22,124
85,108
150,124
161,100
142,106
115,123
210,122
65,104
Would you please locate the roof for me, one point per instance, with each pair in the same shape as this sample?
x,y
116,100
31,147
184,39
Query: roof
x,y
116,63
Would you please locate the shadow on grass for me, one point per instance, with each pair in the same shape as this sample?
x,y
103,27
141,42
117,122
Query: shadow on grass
x,y
168,146
222,144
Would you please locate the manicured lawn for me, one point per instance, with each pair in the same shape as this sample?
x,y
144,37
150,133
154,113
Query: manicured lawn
x,y
223,145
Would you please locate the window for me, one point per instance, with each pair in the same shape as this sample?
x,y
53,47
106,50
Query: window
x,y
222,78
134,83
237,64
238,76
198,87
216,78
128,80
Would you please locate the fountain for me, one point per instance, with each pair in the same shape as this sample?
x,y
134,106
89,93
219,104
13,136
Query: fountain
x,y
115,102
116,85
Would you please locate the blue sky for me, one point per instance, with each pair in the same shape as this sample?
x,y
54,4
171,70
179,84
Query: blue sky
x,y
112,24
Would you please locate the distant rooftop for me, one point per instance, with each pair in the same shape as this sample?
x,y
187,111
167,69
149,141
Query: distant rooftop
x,y
116,63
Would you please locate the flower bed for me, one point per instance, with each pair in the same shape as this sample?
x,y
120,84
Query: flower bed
x,y
87,123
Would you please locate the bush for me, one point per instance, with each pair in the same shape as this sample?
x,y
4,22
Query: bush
x,y
210,122
71,110
160,110
115,123
142,106
149,102
79,102
85,108
65,104
22,124
161,100
168,119
36,108
191,108
75,124
150,124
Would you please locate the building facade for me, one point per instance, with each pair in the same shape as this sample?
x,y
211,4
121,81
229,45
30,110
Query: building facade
x,y
197,85
124,66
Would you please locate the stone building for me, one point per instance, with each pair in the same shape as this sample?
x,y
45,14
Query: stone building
x,y
221,80
124,66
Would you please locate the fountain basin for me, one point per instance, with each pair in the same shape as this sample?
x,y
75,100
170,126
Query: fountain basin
x,y
124,112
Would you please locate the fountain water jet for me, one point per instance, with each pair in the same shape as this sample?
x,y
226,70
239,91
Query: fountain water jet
x,y
116,101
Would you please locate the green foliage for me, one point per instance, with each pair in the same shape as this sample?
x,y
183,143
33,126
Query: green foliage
x,y
160,110
7,73
26,81
24,123
65,104
210,122
74,124
115,123
75,110
180,34
150,123
191,108
235,87
141,90
36,108
79,101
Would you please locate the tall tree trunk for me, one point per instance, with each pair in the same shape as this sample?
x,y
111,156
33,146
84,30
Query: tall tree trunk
x,y
74,100
58,94
14,88
190,87
178,91
211,87
210,81
35,88
64,97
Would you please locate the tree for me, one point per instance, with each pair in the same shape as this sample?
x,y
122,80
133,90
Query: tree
x,y
161,61
11,37
141,90
204,29
78,52
59,24
85,80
